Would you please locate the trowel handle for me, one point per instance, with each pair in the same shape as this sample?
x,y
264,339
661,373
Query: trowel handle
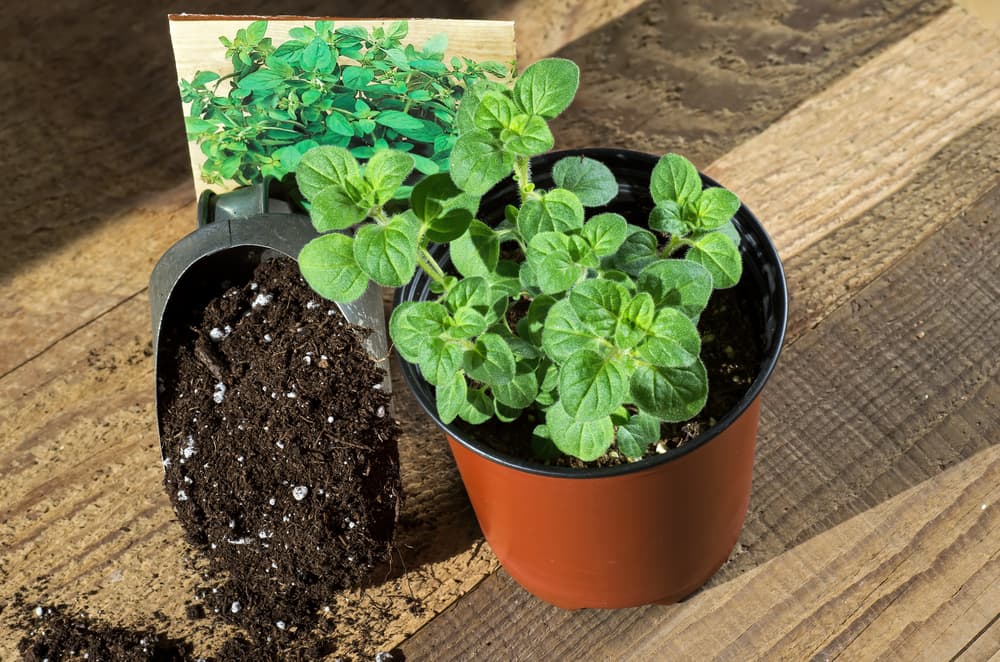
x,y
244,202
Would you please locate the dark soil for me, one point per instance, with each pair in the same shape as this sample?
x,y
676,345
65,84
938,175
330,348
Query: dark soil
x,y
53,635
280,455
731,356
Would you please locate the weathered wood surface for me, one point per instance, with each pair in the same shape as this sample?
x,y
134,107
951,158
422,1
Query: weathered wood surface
x,y
81,496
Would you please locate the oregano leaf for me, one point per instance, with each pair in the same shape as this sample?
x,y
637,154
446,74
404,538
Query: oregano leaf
x,y
477,251
592,386
592,181
451,396
715,207
491,360
605,233
670,394
584,440
682,284
386,171
388,253
547,87
717,253
674,178
323,167
413,323
635,436
478,163
672,340
327,263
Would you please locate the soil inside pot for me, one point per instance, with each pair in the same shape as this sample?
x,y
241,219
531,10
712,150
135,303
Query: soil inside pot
x,y
731,356
280,452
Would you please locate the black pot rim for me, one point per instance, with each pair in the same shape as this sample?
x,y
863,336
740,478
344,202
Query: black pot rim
x,y
411,373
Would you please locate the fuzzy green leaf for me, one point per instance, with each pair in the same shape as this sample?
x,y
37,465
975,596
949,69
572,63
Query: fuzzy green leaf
x,y
674,178
717,253
386,171
558,210
635,436
467,108
638,250
605,233
535,319
592,386
334,209
262,81
637,316
666,217
478,407
328,265
598,304
325,166
339,125
476,252
592,181
715,207
584,440
547,87
491,361
673,340
494,112
527,135
451,396
670,394
430,199
520,391
388,253
413,323
357,78
551,261
478,163
682,284
564,333
467,323
729,229
442,361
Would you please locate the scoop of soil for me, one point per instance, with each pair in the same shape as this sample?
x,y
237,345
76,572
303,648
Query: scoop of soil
x,y
280,452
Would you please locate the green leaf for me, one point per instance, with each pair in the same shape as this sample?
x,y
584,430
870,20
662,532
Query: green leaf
x,y
666,217
430,201
527,135
535,319
357,78
452,397
328,265
715,207
520,391
494,112
399,121
469,105
552,263
386,171
198,125
674,178
673,340
442,361
413,323
325,166
339,125
478,163
547,87
388,253
592,181
397,30
598,304
491,361
584,440
335,209
717,253
478,407
476,252
729,229
558,210
681,284
203,78
671,394
317,56
564,333
467,323
637,316
256,32
471,292
592,386
635,436
605,233
262,80
638,250
398,58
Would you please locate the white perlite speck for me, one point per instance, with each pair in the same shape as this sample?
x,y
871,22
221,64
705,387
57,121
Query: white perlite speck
x,y
38,612
380,412
261,300
311,304
329,419
235,607
291,394
271,501
267,337
189,449
220,393
220,334
308,359
182,495
299,492
253,286
280,625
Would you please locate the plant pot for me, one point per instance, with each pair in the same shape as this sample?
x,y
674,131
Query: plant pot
x,y
651,531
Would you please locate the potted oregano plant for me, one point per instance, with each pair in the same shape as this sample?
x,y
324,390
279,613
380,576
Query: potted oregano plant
x,y
569,356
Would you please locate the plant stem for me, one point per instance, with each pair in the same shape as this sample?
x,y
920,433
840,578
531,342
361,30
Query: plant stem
x,y
522,175
430,266
674,244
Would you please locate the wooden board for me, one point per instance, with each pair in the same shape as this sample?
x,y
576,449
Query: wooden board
x,y
196,48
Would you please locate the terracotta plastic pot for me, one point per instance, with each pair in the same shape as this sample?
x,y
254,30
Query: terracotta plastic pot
x,y
646,532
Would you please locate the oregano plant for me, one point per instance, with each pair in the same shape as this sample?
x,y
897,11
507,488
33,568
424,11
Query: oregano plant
x,y
604,345
348,86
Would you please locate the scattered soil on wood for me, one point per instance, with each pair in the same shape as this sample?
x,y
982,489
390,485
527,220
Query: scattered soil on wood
x,y
731,356
53,634
280,454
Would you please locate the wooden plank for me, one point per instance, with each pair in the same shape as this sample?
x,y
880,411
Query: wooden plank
x,y
882,395
987,11
880,584
916,97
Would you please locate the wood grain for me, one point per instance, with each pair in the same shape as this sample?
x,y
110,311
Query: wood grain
x,y
915,577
